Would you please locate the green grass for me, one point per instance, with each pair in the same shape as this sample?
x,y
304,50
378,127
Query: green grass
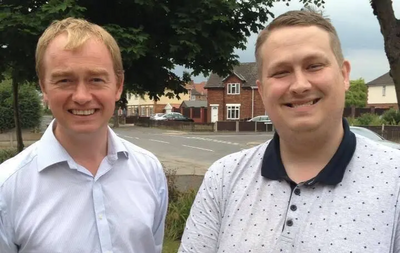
x,y
170,246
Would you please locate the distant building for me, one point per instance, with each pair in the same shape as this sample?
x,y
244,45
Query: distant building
x,y
235,96
382,93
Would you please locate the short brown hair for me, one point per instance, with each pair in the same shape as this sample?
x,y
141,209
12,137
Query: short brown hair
x,y
299,18
78,32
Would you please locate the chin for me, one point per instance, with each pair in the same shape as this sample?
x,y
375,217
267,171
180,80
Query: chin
x,y
304,127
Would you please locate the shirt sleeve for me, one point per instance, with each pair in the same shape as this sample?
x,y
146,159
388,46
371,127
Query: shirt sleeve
x,y
159,219
203,224
6,241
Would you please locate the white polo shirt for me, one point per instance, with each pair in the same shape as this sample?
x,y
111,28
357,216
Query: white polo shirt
x,y
237,209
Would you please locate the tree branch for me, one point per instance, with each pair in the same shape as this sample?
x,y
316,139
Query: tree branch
x,y
383,9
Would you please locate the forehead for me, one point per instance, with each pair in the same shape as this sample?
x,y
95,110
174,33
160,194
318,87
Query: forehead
x,y
90,52
290,43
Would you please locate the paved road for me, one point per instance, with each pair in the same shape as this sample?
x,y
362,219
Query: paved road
x,y
189,153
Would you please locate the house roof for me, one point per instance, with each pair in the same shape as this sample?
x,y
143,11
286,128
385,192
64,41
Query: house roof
x,y
384,79
196,104
247,72
197,88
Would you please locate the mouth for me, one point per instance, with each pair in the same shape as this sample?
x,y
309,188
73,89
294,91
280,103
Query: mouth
x,y
296,105
83,112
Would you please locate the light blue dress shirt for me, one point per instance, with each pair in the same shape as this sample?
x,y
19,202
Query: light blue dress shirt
x,y
50,204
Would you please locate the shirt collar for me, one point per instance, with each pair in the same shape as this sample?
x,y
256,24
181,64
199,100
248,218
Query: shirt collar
x,y
332,174
51,152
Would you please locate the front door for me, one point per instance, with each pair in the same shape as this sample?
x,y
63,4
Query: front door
x,y
214,114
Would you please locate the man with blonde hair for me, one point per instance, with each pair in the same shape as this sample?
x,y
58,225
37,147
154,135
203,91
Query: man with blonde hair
x,y
315,186
81,188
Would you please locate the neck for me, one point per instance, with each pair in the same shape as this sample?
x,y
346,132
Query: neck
x,y
305,155
88,150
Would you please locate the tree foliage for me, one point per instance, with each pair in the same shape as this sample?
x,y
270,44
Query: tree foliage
x,y
357,93
391,117
30,107
154,36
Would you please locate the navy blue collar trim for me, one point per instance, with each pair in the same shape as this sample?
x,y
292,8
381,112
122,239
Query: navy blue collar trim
x,y
272,167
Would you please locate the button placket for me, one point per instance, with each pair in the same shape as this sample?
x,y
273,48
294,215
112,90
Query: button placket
x,y
292,214
101,221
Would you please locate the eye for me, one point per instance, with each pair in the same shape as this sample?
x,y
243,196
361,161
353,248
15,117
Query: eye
x,y
315,67
63,81
97,80
280,74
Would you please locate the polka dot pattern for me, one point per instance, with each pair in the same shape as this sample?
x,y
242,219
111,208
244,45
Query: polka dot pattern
x,y
238,210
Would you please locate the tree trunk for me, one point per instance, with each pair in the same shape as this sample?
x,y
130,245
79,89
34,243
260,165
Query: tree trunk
x,y
20,143
390,29
116,118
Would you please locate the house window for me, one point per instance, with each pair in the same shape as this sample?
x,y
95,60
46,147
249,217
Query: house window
x,y
233,111
143,113
151,111
383,91
233,88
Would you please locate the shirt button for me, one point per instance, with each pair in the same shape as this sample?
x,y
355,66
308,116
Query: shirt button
x,y
297,191
100,217
289,223
293,208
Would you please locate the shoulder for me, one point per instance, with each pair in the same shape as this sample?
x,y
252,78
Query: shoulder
x,y
15,164
373,150
374,160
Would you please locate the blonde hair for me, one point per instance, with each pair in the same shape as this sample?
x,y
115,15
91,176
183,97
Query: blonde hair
x,y
299,18
78,32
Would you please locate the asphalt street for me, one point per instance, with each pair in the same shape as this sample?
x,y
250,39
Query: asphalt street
x,y
190,153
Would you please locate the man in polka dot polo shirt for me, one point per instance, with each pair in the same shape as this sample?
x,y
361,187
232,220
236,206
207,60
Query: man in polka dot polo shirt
x,y
315,187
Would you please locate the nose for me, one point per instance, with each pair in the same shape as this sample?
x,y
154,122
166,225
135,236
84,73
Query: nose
x,y
300,83
81,94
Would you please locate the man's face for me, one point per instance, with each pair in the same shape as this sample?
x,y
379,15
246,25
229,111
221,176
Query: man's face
x,y
302,85
80,86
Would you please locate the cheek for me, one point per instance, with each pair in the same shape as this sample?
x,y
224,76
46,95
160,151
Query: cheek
x,y
274,92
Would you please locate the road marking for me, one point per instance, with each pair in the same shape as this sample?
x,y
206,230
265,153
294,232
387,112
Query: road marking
x,y
209,150
213,140
159,141
129,137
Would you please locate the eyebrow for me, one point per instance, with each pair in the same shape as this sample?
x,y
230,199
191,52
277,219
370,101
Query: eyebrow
x,y
92,72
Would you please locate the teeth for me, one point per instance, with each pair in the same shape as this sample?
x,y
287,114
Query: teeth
x,y
298,105
83,112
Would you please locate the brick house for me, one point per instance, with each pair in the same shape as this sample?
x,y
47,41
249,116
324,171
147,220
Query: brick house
x,y
234,97
197,91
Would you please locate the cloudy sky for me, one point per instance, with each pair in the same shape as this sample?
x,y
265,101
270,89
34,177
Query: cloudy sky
x,y
358,30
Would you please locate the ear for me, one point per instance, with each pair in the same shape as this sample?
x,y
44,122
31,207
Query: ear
x,y
43,89
346,74
120,87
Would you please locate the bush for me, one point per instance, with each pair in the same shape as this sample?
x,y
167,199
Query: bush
x,y
30,107
391,117
368,119
179,207
6,154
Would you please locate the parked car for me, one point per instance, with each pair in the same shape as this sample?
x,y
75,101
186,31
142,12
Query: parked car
x,y
157,116
365,132
176,117
261,118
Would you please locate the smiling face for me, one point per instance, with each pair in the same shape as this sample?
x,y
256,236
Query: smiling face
x,y
301,84
80,85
